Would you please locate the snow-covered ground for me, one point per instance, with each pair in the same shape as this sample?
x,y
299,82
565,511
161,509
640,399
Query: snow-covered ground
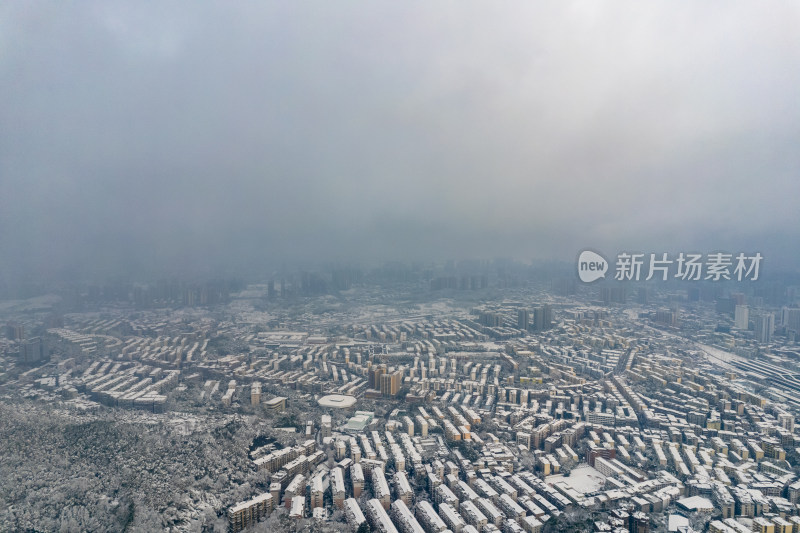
x,y
719,354
584,479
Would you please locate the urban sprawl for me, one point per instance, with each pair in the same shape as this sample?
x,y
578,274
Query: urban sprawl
x,y
475,403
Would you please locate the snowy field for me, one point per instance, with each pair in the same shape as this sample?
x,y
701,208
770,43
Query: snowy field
x,y
584,479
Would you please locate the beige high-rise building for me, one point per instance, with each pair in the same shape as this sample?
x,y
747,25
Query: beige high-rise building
x,y
390,383
317,494
245,514
741,317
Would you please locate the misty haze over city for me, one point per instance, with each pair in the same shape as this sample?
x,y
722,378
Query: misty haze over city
x,y
149,137
399,267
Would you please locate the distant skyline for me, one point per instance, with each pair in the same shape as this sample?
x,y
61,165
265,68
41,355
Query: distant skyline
x,y
139,136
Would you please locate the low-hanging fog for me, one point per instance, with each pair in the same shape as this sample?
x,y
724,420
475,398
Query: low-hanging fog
x,y
138,136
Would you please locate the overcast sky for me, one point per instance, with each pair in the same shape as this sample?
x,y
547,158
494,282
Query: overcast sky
x,y
145,136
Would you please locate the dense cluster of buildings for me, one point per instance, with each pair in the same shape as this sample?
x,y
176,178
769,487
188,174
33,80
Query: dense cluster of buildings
x,y
518,415
650,427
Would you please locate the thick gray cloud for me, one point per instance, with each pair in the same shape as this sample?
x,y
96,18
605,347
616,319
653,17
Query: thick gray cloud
x,y
141,135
